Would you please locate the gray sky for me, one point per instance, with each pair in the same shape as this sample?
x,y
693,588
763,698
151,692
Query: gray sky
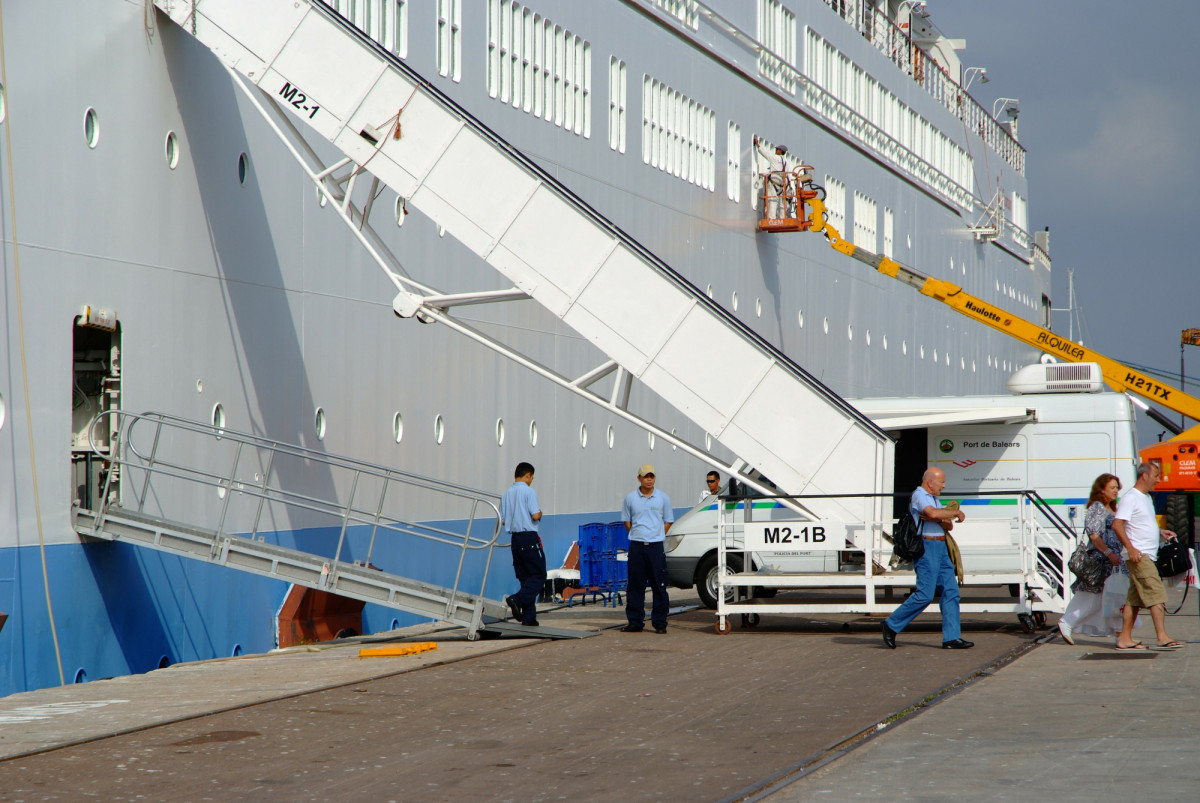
x,y
1110,115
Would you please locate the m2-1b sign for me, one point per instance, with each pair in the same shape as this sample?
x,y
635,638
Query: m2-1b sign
x,y
798,536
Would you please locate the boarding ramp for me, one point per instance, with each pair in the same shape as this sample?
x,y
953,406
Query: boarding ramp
x,y
1026,565
208,493
397,127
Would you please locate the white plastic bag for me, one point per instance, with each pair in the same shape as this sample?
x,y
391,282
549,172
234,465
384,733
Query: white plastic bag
x,y
1116,588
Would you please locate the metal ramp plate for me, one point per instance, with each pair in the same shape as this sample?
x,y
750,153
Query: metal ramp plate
x,y
562,253
289,565
511,628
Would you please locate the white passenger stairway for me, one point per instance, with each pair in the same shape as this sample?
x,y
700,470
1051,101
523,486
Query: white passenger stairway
x,y
394,125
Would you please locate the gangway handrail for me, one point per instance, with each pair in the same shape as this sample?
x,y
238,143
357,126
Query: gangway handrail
x,y
126,457
556,185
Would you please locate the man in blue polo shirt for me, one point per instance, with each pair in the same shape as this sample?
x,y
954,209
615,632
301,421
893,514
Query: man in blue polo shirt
x,y
647,515
520,514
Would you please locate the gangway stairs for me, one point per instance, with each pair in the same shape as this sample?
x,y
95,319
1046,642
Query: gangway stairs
x,y
395,127
168,468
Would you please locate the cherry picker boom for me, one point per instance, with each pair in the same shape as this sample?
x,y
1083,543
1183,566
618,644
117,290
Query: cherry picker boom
x,y
1120,377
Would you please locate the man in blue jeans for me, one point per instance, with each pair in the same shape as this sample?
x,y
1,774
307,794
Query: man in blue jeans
x,y
934,569
520,514
647,515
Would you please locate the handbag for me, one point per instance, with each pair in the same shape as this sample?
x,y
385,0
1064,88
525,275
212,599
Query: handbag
x,y
1087,566
1172,559
907,542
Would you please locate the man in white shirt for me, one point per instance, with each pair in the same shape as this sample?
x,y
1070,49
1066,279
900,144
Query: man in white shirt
x,y
1139,534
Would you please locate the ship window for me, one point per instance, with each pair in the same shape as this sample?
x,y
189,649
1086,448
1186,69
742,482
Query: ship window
x,y
758,307
800,318
707,442
885,342
439,429
218,418
868,337
850,332
935,355
2,411
904,347
401,210
499,431
398,427
3,105
610,436
733,163
583,436
618,97
449,39
91,128
319,423
825,325
243,168
709,291
921,352
172,146
650,439
533,433
735,301
673,446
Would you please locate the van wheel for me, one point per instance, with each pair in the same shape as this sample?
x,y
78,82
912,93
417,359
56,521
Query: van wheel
x,y
706,578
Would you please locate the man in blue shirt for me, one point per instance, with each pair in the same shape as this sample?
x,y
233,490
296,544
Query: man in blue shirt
x,y
520,514
647,515
934,568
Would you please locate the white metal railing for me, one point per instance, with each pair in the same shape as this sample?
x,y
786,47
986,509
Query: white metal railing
x,y
251,485
1035,563
892,41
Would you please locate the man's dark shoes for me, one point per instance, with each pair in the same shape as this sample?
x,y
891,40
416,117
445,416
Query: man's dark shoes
x,y
534,623
631,629
957,644
889,637
660,630
514,608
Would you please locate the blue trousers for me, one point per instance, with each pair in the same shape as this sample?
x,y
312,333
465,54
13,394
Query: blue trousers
x,y
647,566
529,565
935,572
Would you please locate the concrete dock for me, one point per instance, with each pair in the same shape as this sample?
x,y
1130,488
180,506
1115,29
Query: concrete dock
x,y
798,708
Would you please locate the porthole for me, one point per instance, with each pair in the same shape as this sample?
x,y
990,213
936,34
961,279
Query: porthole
x,y
3,411
319,423
973,366
708,291
610,436
439,429
499,431
800,318
707,442
885,342
989,361
650,439
921,352
401,210
868,337
997,285
904,347
3,104
850,332
398,426
199,385
322,198
735,300
952,264
243,168
583,436
91,128
673,446
962,363
934,355
441,230
947,359
172,147
908,239
825,325
218,418
533,433
758,307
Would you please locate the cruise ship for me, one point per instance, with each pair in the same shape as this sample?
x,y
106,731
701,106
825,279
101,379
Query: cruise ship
x,y
202,245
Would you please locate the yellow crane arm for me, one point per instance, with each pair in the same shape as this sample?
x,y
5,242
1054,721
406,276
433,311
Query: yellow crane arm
x,y
1120,377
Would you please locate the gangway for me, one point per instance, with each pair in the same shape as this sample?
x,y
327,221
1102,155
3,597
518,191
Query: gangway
x,y
237,484
399,129
1035,568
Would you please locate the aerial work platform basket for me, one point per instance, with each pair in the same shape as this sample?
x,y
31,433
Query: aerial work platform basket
x,y
784,198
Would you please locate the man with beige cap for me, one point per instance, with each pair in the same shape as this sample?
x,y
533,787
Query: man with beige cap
x,y
647,515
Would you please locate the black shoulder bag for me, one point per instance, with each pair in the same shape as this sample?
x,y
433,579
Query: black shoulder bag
x,y
907,542
1173,560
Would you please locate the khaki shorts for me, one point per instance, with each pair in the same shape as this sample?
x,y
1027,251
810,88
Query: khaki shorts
x,y
1145,586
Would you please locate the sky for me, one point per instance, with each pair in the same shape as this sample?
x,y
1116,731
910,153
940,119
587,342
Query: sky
x,y
1110,116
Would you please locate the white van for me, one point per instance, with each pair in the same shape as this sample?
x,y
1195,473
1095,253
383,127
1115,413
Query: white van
x,y
1055,444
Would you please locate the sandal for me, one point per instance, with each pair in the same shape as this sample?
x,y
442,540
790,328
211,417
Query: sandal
x,y
1136,646
1170,645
